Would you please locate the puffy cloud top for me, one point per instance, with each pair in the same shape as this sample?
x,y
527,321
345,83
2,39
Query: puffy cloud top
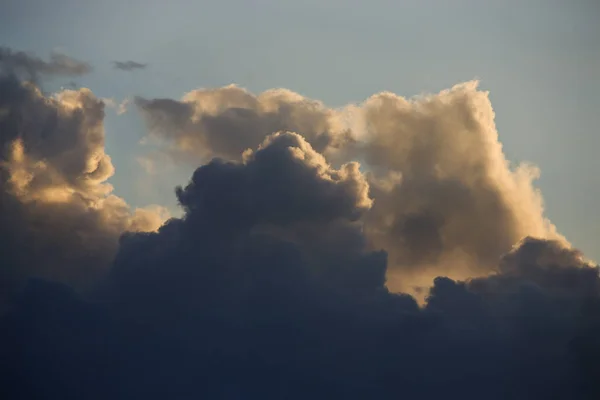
x,y
224,122
59,217
446,200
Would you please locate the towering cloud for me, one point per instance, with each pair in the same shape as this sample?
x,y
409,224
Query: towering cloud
x,y
456,205
446,199
59,218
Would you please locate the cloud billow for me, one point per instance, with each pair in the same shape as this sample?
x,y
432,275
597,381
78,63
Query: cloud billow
x,y
281,279
59,217
446,200
226,121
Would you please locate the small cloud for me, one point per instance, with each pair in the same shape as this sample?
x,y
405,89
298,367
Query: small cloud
x,y
109,102
20,62
120,108
70,85
128,65
147,165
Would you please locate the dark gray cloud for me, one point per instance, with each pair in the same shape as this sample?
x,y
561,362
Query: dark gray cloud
x,y
273,282
31,67
255,296
128,65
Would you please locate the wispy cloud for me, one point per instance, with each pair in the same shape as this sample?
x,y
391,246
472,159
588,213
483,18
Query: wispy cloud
x,y
128,65
20,62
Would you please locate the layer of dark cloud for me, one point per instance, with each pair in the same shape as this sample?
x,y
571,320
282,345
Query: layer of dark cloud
x,y
273,282
253,294
31,67
128,65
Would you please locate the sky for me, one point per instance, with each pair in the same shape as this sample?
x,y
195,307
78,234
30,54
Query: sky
x,y
540,60
262,199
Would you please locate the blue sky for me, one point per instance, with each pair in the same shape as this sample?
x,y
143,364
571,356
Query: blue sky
x,y
540,60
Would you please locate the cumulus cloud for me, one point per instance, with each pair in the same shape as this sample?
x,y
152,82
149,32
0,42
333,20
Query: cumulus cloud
x,y
128,65
280,278
225,122
446,200
458,205
29,66
60,218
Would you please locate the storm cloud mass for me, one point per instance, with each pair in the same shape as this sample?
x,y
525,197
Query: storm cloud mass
x,y
303,228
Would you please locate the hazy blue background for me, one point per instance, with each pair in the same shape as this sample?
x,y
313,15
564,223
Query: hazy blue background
x,y
539,58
